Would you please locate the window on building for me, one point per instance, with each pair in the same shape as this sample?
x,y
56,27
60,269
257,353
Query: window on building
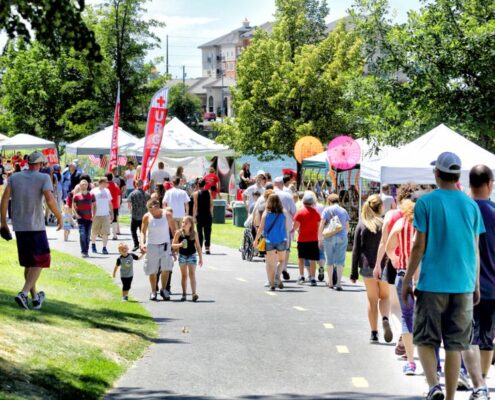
x,y
210,104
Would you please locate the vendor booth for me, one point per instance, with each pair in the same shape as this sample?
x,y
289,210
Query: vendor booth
x,y
412,163
100,143
23,141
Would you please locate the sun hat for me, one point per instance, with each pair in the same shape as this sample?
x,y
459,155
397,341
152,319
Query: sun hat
x,y
308,199
448,162
279,179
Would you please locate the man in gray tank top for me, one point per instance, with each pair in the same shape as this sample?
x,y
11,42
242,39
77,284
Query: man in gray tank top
x,y
157,226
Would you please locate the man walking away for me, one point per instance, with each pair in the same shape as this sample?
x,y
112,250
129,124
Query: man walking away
x,y
82,206
178,200
203,212
136,202
478,358
388,201
158,176
27,189
115,193
155,242
102,215
448,225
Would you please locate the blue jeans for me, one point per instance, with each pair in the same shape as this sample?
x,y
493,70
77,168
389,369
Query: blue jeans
x,y
406,308
84,234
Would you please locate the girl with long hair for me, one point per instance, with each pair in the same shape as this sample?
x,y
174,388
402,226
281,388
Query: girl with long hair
x,y
186,241
366,241
245,177
275,229
398,248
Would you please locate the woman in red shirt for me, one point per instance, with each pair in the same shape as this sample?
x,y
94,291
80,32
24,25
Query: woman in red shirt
x,y
212,183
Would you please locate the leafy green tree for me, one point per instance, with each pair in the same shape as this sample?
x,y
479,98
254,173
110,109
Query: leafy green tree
x,y
184,105
55,23
45,96
436,67
287,89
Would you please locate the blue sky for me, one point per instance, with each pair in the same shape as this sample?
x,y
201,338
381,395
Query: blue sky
x,y
190,23
193,22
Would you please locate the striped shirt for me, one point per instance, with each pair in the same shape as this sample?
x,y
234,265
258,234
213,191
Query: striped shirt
x,y
83,205
406,238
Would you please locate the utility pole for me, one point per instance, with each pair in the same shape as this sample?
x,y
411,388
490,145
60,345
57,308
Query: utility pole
x,y
167,53
184,74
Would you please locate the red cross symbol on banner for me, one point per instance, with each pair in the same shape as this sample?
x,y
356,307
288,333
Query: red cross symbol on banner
x,y
161,101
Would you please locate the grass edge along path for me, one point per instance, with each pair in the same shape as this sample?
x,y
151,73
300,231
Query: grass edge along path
x,y
82,340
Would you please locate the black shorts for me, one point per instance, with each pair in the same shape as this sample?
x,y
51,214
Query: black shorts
x,y
389,272
308,250
33,249
126,283
484,324
115,215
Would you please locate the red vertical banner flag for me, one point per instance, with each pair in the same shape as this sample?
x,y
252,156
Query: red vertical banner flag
x,y
51,156
114,150
157,116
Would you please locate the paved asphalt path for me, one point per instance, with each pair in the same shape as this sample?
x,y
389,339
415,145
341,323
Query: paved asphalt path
x,y
240,341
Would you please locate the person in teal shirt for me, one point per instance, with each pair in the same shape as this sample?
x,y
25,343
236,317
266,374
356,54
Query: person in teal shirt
x,y
448,225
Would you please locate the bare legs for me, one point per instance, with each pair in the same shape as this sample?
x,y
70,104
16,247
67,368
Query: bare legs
x,y
473,364
452,367
31,276
185,271
271,262
378,298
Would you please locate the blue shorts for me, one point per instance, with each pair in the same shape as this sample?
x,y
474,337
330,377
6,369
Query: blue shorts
x,y
335,250
188,260
282,246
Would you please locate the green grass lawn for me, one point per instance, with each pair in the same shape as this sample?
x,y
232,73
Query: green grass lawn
x,y
231,236
82,340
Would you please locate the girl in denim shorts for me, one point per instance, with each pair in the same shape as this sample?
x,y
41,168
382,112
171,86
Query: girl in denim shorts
x,y
186,241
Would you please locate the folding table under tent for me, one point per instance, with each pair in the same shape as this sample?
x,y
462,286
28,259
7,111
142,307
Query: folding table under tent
x,y
100,143
412,162
23,141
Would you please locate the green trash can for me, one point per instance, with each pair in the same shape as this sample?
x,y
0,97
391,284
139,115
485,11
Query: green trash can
x,y
240,214
219,207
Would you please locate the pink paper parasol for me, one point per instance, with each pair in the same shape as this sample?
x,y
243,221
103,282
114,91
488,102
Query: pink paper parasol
x,y
343,152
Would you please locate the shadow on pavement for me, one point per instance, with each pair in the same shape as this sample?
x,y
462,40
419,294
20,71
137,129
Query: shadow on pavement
x,y
127,393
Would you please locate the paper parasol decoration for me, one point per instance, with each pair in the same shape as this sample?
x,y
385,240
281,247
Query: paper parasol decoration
x,y
343,152
307,146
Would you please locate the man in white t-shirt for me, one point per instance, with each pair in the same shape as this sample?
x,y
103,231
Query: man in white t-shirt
x,y
388,201
129,175
259,186
102,215
178,200
158,176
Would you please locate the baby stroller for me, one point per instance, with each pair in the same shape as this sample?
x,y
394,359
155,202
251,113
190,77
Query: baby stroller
x,y
248,251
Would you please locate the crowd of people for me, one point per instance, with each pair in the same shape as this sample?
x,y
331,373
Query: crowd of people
x,y
426,255
173,216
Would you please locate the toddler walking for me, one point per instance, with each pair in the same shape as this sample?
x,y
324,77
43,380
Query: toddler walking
x,y
68,222
126,264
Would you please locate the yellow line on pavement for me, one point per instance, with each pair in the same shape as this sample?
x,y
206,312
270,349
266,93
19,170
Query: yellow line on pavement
x,y
360,382
271,293
300,308
241,279
328,326
342,349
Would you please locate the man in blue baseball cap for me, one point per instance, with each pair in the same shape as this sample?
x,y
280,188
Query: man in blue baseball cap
x,y
448,225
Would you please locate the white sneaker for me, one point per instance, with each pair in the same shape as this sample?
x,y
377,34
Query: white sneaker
x,y
479,394
38,301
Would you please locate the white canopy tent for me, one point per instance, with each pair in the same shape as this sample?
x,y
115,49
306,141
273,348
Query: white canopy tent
x,y
367,154
23,141
100,143
180,141
3,137
412,163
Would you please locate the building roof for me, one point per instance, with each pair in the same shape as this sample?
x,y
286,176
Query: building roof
x,y
229,38
217,83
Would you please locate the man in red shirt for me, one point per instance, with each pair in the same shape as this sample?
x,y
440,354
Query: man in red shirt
x,y
116,193
306,222
82,206
212,183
